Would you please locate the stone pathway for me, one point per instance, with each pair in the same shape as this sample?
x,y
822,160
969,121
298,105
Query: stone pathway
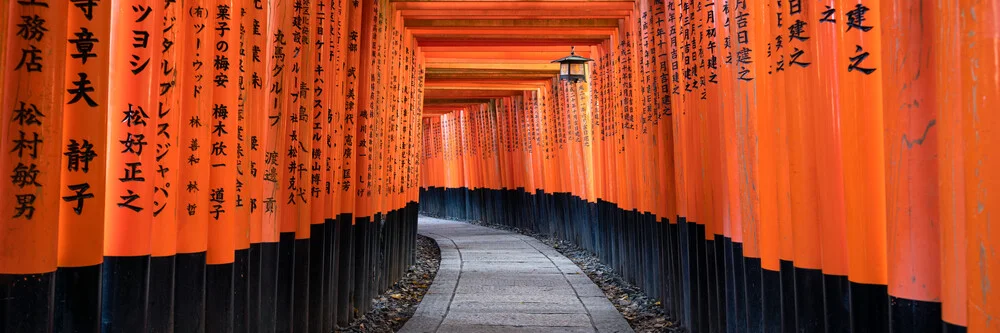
x,y
496,281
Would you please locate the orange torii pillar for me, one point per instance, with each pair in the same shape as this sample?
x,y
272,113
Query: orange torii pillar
x,y
131,166
352,88
241,197
980,33
32,93
81,213
276,233
165,179
219,296
300,106
947,92
194,89
255,100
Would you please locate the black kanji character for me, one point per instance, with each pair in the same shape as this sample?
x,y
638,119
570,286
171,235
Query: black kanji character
x,y
135,115
220,111
25,205
127,201
142,9
136,66
133,143
87,6
80,91
828,15
796,53
79,153
84,43
22,144
856,62
28,115
797,30
33,3
80,195
30,59
32,27
132,173
219,149
25,175
140,38
856,18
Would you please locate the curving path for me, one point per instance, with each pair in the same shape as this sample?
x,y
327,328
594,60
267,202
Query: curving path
x,y
497,281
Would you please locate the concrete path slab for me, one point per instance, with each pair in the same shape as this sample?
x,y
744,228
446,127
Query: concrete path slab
x,y
496,281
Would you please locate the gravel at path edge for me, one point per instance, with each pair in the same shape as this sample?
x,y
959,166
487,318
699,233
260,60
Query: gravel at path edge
x,y
393,308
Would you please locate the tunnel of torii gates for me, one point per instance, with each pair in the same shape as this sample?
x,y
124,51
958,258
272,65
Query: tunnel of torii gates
x,y
256,165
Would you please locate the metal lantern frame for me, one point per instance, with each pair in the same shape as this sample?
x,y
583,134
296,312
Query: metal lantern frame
x,y
573,68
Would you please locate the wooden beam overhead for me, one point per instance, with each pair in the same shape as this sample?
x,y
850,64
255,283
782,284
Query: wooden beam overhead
x,y
540,23
516,5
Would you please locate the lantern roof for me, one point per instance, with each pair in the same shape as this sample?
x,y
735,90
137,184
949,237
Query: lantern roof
x,y
573,58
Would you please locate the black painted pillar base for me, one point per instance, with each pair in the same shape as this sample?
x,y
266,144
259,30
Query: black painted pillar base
x,y
284,283
27,302
219,298
161,294
125,294
268,287
78,299
241,291
189,293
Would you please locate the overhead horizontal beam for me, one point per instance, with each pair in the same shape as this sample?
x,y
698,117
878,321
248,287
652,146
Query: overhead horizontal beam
x,y
512,14
539,56
533,31
481,41
565,6
468,93
444,66
570,22
495,48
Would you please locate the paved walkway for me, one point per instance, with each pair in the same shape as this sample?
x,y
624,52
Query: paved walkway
x,y
498,281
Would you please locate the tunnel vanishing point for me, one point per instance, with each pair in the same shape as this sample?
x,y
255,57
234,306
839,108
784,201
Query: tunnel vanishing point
x,y
259,165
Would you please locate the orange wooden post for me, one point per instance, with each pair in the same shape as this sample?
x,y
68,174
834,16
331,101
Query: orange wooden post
x,y
352,88
84,136
223,122
303,55
780,68
980,35
167,148
286,147
131,130
31,95
319,179
195,93
277,256
801,84
340,224
947,87
255,58
830,157
241,194
910,153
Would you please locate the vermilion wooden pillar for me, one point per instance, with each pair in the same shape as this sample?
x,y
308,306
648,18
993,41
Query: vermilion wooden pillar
x,y
168,151
979,35
131,132
81,215
195,94
32,100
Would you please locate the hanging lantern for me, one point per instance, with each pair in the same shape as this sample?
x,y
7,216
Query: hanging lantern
x,y
573,68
